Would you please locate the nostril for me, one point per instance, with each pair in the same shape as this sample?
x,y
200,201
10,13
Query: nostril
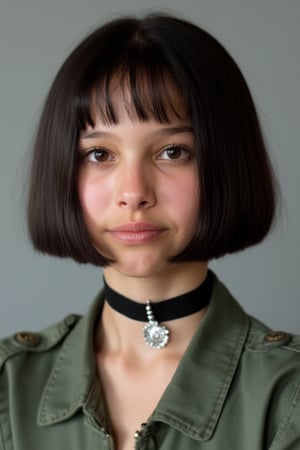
x,y
134,204
136,200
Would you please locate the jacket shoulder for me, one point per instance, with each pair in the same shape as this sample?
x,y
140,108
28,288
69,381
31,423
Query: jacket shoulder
x,y
262,338
37,342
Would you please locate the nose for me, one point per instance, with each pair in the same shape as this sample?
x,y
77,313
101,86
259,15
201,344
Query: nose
x,y
135,189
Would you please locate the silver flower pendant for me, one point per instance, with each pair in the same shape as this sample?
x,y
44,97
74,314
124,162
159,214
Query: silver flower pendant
x,y
155,335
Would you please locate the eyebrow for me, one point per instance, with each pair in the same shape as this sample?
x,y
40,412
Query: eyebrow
x,y
168,131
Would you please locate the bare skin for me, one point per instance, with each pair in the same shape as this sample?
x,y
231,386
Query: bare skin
x,y
133,375
138,186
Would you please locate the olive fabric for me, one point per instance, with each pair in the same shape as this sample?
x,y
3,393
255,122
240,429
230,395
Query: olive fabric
x,y
237,387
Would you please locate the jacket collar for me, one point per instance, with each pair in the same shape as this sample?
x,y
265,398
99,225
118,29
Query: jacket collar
x,y
72,384
193,401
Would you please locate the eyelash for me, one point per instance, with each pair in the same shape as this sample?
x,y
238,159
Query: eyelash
x,y
89,152
182,147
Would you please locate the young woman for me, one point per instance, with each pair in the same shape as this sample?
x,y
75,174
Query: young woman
x,y
149,161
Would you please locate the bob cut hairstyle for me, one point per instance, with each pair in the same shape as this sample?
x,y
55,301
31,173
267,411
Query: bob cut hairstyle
x,y
237,187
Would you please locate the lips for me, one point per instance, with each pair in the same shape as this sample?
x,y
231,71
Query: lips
x,y
137,232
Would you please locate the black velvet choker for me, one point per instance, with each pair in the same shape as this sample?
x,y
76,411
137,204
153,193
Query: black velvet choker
x,y
184,305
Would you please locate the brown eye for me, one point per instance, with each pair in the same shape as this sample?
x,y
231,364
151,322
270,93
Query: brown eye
x,y
175,152
97,155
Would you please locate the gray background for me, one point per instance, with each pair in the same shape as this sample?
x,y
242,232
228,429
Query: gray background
x,y
35,37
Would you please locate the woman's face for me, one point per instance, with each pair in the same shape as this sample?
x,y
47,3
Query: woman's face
x,y
139,191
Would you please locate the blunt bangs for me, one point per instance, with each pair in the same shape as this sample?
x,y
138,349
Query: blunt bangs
x,y
144,62
139,76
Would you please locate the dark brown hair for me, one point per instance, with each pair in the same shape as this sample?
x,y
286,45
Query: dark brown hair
x,y
236,179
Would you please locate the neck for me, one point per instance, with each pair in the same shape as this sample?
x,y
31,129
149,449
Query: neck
x,y
177,280
120,333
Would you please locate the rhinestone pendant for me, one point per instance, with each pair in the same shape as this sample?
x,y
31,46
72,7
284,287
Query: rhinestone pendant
x,y
155,335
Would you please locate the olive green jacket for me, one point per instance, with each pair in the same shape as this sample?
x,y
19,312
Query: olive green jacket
x,y
237,387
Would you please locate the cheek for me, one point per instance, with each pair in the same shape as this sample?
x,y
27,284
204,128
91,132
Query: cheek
x,y
93,197
184,197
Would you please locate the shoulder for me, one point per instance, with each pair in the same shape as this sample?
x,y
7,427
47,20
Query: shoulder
x,y
28,363
262,338
24,342
259,337
278,353
266,383
270,372
272,358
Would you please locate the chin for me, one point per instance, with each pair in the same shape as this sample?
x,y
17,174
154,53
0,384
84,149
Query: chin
x,y
138,271
142,267
141,262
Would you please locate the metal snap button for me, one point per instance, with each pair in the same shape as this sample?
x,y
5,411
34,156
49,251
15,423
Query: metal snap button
x,y
27,339
277,338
